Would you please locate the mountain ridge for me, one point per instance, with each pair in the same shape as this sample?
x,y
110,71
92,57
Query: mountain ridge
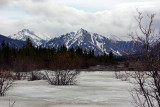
x,y
12,42
89,41
37,38
82,38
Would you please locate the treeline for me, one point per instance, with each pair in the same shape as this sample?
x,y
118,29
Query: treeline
x,y
30,58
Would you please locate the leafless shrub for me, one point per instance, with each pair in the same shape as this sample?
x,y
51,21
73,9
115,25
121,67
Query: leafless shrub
x,y
6,81
121,75
117,74
36,75
64,77
21,75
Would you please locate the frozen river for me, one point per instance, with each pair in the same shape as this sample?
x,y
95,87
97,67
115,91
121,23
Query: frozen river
x,y
93,89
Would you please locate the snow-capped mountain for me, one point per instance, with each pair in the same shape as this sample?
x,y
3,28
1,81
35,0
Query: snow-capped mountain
x,y
37,38
11,42
90,41
81,38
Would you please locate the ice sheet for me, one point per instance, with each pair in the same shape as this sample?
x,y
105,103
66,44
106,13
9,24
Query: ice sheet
x,y
93,89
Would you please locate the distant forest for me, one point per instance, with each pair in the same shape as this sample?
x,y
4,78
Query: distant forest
x,y
29,58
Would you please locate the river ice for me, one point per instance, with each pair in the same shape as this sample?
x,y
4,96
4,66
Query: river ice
x,y
93,89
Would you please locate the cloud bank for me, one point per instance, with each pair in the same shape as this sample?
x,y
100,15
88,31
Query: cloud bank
x,y
55,18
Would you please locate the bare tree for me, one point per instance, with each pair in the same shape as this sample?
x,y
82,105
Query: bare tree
x,y
6,81
146,91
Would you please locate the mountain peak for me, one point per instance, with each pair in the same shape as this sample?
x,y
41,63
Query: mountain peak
x,y
36,38
25,30
81,30
88,41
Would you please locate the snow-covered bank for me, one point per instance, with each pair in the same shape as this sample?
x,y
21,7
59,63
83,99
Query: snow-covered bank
x,y
93,89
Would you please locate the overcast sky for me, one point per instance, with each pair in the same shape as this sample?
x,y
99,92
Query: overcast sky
x,y
56,17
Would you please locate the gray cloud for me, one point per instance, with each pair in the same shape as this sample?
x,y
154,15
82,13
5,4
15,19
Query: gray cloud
x,y
55,19
5,3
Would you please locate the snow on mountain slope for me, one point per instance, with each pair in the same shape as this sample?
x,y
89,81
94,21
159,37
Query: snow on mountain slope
x,y
114,38
89,41
86,40
37,38
11,42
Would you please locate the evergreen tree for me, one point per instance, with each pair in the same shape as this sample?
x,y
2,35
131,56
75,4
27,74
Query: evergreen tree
x,y
49,58
111,55
79,51
3,44
63,49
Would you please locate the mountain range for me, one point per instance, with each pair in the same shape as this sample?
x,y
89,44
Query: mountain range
x,y
82,38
